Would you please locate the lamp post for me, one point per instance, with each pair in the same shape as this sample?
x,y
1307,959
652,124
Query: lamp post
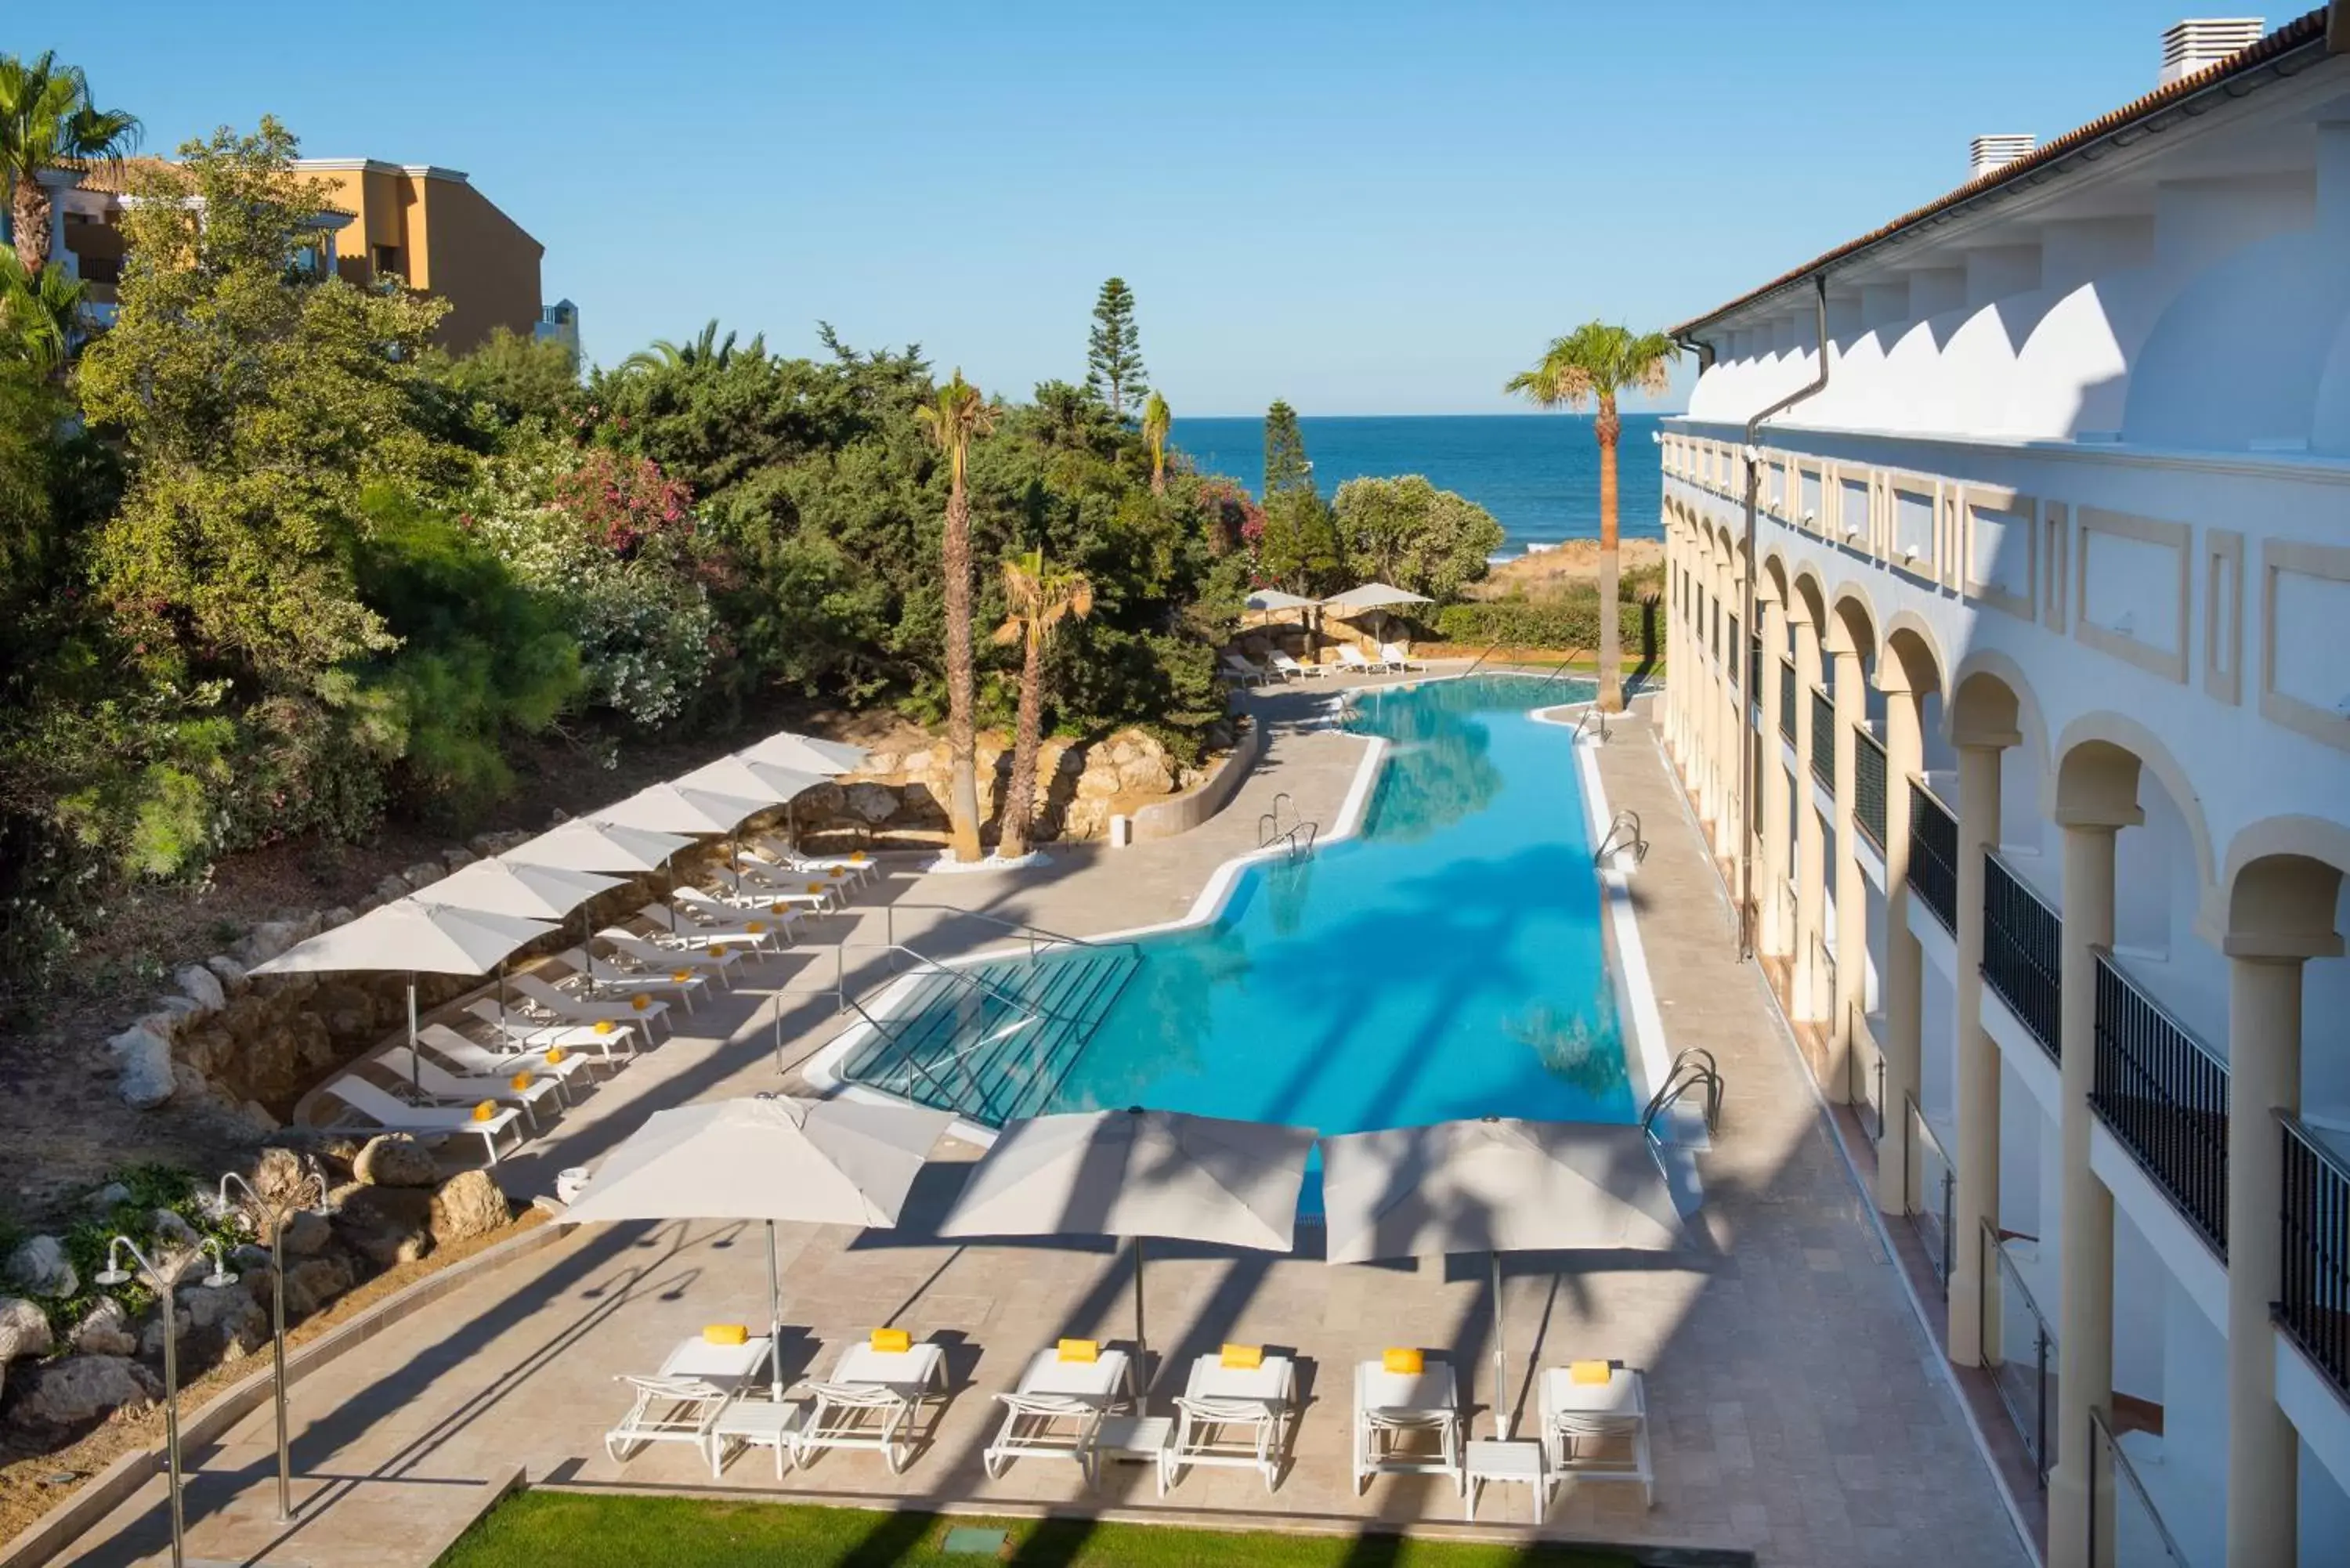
x,y
307,1186
113,1275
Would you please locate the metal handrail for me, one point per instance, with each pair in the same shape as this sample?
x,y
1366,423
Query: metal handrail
x,y
1693,1068
1483,657
2099,1427
2003,1268
1593,722
1560,668
1924,1130
1626,821
889,912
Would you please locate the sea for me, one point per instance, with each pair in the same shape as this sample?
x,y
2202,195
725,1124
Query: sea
x,y
1538,474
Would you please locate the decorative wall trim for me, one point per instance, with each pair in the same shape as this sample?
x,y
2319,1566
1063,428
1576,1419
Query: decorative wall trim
x,y
2026,511
2330,562
2171,662
2223,614
2056,557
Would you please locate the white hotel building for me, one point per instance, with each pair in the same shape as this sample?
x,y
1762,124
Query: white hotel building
x,y
2031,511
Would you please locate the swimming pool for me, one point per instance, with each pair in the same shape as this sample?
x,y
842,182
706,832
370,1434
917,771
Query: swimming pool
x,y
1449,961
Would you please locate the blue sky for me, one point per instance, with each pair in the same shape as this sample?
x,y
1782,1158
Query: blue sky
x,y
1363,207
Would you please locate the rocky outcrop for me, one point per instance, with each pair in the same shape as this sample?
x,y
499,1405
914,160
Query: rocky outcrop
x,y
41,1267
900,794
78,1389
314,1282
104,1330
467,1205
23,1331
386,1225
395,1159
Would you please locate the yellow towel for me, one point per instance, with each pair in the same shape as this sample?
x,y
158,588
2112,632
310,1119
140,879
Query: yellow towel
x,y
487,1111
817,887
892,1341
857,856
1244,1355
604,1026
725,1333
1080,1350
555,1054
718,950
1590,1372
640,1001
1409,1362
757,928
777,908
520,1081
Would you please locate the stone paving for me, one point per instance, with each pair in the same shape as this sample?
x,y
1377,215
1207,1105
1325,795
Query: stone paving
x,y
1797,1410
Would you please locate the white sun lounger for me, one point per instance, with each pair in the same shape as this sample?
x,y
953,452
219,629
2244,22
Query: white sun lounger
x,y
1396,658
1234,1416
449,1089
1056,1410
873,1400
1391,1406
683,1401
1352,658
1597,1431
1240,671
471,1057
686,923
570,1009
642,953
783,853
773,892
537,1034
629,981
388,1113
1287,667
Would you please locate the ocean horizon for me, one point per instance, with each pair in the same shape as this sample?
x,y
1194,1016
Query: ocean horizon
x,y
1538,474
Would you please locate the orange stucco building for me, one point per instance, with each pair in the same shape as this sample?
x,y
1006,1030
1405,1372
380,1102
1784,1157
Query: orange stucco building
x,y
432,227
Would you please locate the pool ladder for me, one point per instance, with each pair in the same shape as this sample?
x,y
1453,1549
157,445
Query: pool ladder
x,y
1694,1068
1623,833
1593,722
1298,837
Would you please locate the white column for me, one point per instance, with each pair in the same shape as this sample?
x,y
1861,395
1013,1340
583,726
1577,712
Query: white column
x,y
1777,933
1975,1197
1729,795
58,184
2263,1076
2084,1333
1811,857
1676,643
1851,898
1905,754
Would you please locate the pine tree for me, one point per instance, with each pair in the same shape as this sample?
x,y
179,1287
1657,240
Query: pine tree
x,y
1114,371
1285,467
1299,549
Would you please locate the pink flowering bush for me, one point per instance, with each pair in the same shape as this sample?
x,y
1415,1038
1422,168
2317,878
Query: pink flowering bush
x,y
621,502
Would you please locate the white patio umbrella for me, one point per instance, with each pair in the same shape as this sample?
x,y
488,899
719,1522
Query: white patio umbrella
x,y
534,892
586,845
669,808
1495,1185
805,754
1133,1174
414,936
1274,599
825,1162
747,779
1373,596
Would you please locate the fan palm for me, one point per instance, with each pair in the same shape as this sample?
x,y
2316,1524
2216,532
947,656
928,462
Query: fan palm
x,y
40,313
1040,596
708,351
954,420
46,121
1158,418
1592,364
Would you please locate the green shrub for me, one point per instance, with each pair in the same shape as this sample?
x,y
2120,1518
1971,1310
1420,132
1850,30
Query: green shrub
x,y
1565,621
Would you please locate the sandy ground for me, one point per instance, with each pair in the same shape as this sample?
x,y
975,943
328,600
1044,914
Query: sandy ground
x,y
1574,562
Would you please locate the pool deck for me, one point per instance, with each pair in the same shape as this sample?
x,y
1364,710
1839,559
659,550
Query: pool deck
x,y
1797,1408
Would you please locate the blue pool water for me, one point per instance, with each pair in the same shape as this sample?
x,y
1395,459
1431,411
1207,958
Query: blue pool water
x,y
1446,962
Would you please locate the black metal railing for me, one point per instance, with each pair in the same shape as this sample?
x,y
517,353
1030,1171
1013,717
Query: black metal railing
x,y
1754,668
1868,786
2023,941
1787,699
2166,1097
1822,738
2314,1305
1934,855
1730,641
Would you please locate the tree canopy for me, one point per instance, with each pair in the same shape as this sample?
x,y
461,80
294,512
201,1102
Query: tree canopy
x,y
1409,532
1114,371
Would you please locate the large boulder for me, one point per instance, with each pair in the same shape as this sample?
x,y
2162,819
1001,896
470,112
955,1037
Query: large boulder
x,y
41,1267
105,1331
308,1231
385,1225
143,1057
396,1160
200,986
229,1314
467,1205
78,1389
870,802
229,972
423,874
24,1329
314,1282
150,1338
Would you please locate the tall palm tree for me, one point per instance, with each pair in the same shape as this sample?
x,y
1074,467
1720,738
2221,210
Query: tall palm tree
x,y
1040,595
1158,418
40,313
957,417
1592,364
708,351
46,121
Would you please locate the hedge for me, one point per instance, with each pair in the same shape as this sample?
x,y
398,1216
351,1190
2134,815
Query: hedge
x,y
1564,622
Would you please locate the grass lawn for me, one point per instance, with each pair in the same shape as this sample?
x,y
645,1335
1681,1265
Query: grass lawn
x,y
533,1528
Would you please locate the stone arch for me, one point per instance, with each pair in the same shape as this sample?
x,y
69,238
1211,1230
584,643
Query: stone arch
x,y
2283,883
1993,703
1774,577
2097,759
1852,621
1812,594
1913,654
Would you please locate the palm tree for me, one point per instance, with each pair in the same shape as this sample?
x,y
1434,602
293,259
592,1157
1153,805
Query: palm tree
x,y
1158,418
958,416
46,122
1593,363
1040,596
708,351
40,313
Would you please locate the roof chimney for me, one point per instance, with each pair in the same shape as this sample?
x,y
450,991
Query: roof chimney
x,y
1988,153
2190,46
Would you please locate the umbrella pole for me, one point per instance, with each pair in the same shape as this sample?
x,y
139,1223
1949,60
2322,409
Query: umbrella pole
x,y
775,1318
1504,1413
415,1073
1141,1344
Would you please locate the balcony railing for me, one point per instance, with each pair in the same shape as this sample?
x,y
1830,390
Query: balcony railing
x,y
1787,699
1822,738
1868,786
2140,1538
1934,855
2023,950
1754,668
2314,1305
1932,1193
2024,1371
2164,1096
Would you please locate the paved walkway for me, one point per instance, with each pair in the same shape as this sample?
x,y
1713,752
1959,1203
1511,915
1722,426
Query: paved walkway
x,y
1796,1407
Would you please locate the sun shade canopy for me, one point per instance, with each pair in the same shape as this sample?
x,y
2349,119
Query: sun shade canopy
x,y
1373,596
412,936
805,753
667,808
534,892
584,845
